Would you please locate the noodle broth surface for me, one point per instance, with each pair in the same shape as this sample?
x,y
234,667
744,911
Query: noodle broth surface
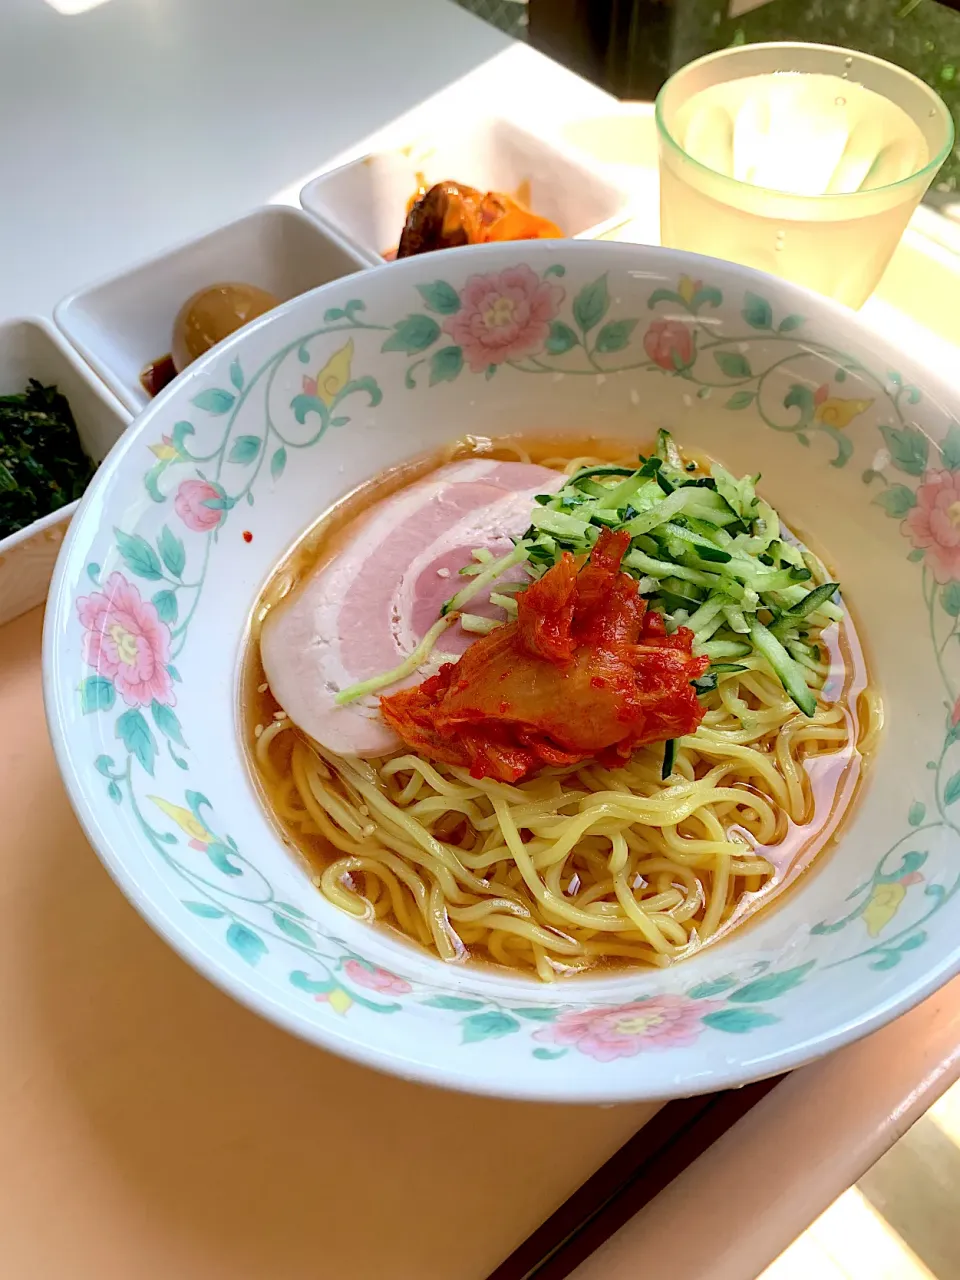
x,y
576,868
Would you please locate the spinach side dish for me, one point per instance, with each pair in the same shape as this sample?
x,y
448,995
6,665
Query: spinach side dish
x,y
42,463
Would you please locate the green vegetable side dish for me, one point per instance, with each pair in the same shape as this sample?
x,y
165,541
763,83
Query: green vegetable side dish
x,y
42,464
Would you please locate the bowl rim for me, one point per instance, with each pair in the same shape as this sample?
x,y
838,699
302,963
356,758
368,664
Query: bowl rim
x,y
466,1073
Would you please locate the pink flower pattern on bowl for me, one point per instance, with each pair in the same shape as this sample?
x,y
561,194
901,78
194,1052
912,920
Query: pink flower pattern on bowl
x,y
125,641
934,523
670,344
192,505
375,979
622,1031
504,317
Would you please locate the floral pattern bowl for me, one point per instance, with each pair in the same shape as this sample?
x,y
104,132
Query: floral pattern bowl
x,y
149,609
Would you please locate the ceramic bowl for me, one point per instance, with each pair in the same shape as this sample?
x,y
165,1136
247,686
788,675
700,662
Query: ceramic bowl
x,y
191,511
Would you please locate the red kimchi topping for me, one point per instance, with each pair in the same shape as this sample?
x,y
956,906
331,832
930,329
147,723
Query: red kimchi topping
x,y
584,673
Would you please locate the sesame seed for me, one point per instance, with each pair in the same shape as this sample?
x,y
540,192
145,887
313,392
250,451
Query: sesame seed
x,y
279,715
258,730
262,688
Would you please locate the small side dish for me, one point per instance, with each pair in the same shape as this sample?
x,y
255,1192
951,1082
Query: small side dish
x,y
42,464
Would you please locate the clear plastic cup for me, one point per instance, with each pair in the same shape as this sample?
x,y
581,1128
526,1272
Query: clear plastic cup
x,y
837,244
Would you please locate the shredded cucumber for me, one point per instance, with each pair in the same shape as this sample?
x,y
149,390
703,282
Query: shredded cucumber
x,y
709,554
717,650
705,632
489,576
560,523
788,670
413,662
506,603
814,600
664,569
478,625
707,612
736,620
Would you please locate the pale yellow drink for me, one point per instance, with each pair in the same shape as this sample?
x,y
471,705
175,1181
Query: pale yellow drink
x,y
806,174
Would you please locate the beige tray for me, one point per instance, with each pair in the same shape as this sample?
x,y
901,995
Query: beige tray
x,y
152,1128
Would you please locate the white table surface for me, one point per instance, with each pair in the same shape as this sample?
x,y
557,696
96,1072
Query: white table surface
x,y
140,123
123,130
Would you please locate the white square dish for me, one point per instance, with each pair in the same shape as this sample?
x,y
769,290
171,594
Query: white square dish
x,y
366,201
121,324
32,349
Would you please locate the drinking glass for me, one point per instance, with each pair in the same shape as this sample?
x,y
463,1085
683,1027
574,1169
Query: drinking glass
x,y
837,244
